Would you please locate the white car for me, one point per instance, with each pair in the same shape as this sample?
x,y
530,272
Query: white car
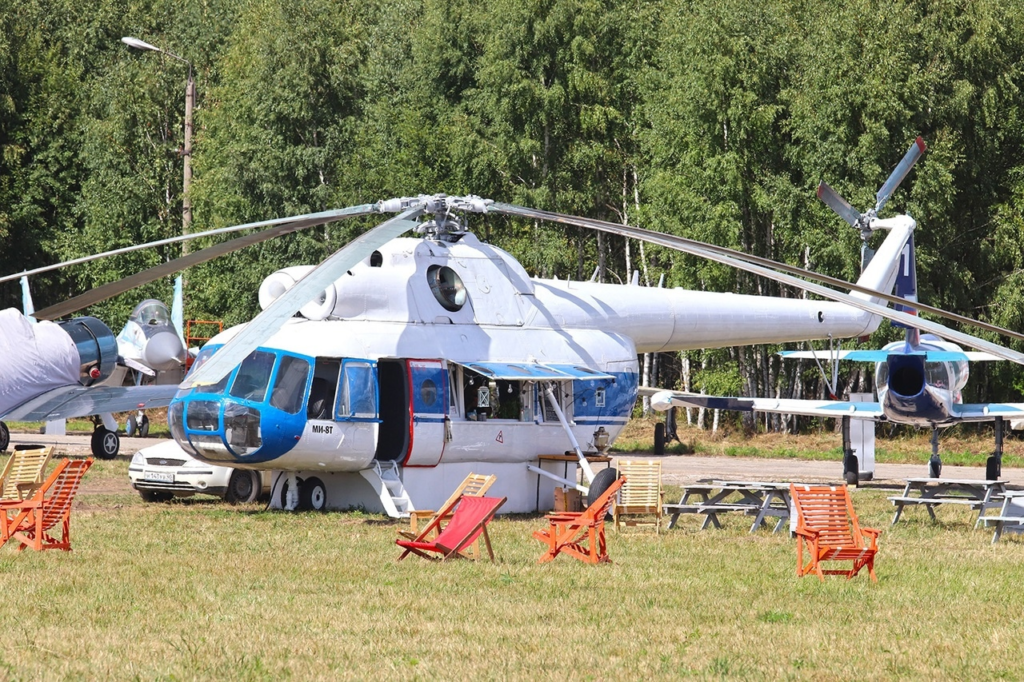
x,y
163,471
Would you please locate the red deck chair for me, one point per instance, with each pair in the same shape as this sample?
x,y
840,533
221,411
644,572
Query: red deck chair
x,y
472,514
567,530
29,521
828,526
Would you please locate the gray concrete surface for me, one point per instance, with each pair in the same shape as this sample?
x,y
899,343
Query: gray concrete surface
x,y
676,469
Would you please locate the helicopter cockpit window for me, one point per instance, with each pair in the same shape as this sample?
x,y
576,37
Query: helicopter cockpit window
x,y
447,286
290,384
151,312
253,376
358,395
937,375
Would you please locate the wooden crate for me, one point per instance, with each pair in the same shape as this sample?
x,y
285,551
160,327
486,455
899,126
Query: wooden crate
x,y
568,499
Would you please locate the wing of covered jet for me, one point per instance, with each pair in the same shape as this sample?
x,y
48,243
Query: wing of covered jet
x,y
67,402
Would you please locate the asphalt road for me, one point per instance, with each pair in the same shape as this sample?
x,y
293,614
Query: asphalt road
x,y
676,469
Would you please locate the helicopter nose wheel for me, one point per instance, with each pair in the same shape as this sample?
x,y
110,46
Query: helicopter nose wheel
x,y
5,437
312,494
105,443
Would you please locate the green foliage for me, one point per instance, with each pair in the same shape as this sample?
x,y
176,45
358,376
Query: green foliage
x,y
711,120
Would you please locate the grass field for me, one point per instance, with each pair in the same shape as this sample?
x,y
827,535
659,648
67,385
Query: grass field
x,y
960,445
198,589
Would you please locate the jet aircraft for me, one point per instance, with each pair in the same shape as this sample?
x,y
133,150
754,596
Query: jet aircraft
x,y
150,350
918,381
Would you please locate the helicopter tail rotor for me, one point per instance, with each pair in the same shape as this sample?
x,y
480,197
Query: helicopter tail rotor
x,y
863,221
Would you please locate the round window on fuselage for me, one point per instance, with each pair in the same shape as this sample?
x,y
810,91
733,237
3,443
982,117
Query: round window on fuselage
x,y
447,286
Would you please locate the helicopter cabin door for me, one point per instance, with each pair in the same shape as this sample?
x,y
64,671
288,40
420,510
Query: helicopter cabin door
x,y
428,402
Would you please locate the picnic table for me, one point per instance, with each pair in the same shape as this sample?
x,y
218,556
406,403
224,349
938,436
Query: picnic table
x,y
1004,518
931,492
711,498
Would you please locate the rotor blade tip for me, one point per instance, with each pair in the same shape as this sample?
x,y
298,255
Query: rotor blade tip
x,y
920,144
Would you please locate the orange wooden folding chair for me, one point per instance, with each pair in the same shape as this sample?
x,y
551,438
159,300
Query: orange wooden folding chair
x,y
472,514
825,517
30,521
568,530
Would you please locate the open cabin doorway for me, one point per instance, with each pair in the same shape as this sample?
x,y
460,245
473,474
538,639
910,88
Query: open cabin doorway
x,y
395,418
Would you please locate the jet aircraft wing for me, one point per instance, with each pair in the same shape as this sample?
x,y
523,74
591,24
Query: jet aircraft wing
x,y
883,355
67,402
986,412
663,400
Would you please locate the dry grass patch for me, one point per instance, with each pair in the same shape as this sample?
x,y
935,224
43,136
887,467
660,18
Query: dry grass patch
x,y
964,445
199,589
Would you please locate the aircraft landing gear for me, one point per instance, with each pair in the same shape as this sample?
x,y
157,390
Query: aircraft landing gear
x,y
851,465
994,464
5,437
290,492
312,494
137,426
105,443
935,463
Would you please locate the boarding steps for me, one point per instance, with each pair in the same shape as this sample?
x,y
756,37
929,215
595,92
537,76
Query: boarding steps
x,y
386,480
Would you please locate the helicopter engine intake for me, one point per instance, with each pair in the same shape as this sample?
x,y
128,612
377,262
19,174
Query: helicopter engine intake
x,y
97,348
281,281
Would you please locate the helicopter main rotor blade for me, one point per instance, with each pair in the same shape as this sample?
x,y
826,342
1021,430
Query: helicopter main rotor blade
x,y
900,172
171,240
751,264
282,226
839,204
775,265
273,317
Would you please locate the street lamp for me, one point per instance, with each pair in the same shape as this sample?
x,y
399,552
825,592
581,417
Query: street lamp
x,y
190,98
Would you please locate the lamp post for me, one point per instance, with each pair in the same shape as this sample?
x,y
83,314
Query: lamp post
x,y
190,98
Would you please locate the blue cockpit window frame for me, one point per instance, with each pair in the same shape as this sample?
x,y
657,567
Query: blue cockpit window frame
x,y
357,373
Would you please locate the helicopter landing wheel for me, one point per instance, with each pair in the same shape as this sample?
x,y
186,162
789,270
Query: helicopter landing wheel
x,y
312,494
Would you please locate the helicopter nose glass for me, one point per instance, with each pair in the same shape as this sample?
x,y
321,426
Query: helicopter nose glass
x,y
242,428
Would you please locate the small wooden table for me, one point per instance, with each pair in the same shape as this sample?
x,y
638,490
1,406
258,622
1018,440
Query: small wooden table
x,y
758,499
565,459
931,492
1004,518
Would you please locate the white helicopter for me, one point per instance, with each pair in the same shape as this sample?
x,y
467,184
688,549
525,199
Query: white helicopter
x,y
918,380
414,361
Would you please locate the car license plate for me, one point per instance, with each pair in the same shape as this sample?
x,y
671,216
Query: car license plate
x,y
162,476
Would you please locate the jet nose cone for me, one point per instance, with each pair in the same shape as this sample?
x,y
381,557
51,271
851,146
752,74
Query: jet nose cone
x,y
164,351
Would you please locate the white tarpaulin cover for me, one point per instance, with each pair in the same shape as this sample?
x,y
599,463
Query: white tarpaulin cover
x,y
34,358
